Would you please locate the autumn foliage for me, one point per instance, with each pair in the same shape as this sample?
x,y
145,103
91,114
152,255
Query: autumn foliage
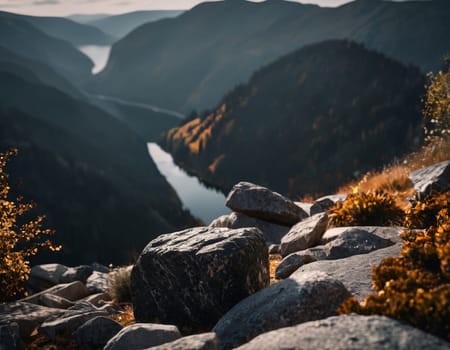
x,y
415,287
21,236
372,208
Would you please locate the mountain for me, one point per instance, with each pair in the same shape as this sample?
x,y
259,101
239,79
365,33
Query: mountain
x,y
65,29
307,123
120,25
190,61
88,172
22,39
26,68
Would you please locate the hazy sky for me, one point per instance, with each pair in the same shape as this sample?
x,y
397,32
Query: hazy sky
x,y
67,7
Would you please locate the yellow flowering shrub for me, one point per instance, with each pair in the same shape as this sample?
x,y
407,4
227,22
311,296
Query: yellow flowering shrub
x,y
367,209
414,287
20,237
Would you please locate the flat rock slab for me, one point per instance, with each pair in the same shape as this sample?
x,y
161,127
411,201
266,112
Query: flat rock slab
x,y
70,291
272,232
348,243
192,277
353,332
390,233
262,203
96,332
432,178
205,341
305,234
354,272
308,297
142,336
27,316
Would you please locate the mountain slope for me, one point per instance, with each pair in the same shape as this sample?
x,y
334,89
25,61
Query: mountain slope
x,y
306,123
120,25
23,39
87,171
65,29
189,62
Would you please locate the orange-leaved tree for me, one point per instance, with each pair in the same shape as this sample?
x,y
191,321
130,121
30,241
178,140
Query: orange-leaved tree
x,y
21,236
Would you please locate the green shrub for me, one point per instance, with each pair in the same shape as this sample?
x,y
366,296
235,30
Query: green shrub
x,y
367,209
21,237
119,284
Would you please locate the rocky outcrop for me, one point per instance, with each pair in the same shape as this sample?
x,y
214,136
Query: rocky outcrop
x,y
432,178
305,234
272,232
352,332
96,332
27,316
347,243
262,203
73,318
142,336
192,277
305,297
390,233
204,341
354,272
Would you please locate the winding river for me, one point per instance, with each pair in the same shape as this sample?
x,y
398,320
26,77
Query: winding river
x,y
204,203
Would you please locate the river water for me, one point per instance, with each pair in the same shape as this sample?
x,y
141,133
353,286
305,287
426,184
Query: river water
x,y
98,54
204,203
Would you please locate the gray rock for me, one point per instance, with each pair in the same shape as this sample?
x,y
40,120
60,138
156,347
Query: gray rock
x,y
73,318
98,299
100,267
96,332
71,291
192,277
354,242
205,341
48,272
272,232
10,337
51,300
67,323
27,316
354,272
79,273
348,243
305,206
353,332
291,263
274,249
390,233
98,282
324,203
142,336
432,178
307,297
305,234
260,202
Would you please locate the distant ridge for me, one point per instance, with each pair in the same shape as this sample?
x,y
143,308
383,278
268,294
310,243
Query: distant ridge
x,y
306,123
190,61
120,25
